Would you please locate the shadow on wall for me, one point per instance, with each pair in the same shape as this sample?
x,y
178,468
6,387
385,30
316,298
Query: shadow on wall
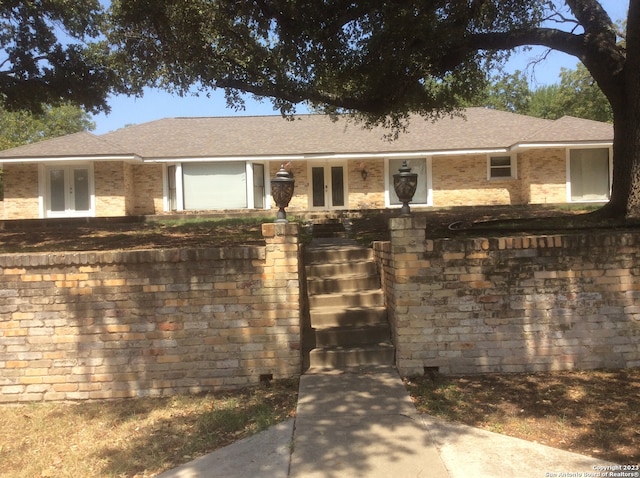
x,y
517,304
155,323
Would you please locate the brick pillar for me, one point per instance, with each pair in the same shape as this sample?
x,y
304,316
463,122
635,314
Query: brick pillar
x,y
281,283
407,261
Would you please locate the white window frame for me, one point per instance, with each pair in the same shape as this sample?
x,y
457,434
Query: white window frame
x,y
388,184
513,167
180,185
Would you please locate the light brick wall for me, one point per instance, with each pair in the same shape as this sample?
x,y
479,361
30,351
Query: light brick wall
x,y
137,189
146,189
462,181
544,176
21,191
513,304
365,193
100,325
111,179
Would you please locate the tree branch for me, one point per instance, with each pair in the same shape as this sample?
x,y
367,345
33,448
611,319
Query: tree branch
x,y
565,42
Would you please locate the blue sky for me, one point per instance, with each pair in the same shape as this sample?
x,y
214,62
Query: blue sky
x,y
158,104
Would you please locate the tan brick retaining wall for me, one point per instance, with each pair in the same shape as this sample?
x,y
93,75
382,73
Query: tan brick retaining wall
x,y
101,325
512,304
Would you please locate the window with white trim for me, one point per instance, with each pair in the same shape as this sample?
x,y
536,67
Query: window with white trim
x,y
501,167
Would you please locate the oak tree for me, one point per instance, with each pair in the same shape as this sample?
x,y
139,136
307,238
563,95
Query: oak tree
x,y
51,53
379,60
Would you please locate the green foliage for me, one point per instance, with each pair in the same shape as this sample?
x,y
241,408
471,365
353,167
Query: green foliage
x,y
543,102
50,54
23,127
577,95
377,60
506,92
580,96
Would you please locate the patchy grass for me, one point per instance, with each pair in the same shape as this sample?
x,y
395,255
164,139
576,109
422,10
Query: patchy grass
x,y
101,234
133,438
188,231
593,413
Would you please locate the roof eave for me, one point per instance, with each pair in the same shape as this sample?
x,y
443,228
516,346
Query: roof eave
x,y
72,159
605,143
329,156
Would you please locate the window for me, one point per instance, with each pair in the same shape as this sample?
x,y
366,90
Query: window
x,y
501,167
215,185
201,186
589,174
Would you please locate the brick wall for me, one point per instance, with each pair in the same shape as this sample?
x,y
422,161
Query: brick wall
x,y
365,193
110,188
462,181
146,189
512,304
101,325
544,176
21,191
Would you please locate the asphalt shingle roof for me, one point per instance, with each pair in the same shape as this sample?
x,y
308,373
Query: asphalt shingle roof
x,y
72,145
198,137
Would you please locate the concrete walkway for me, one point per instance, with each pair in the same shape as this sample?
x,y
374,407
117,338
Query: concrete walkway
x,y
362,423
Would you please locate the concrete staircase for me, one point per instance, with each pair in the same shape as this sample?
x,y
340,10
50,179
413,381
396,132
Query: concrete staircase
x,y
348,318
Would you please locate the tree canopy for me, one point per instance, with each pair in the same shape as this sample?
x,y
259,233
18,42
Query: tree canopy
x,y
379,60
577,95
370,58
23,127
51,53
373,58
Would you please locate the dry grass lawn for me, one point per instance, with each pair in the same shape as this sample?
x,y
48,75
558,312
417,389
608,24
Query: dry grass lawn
x,y
594,413
133,438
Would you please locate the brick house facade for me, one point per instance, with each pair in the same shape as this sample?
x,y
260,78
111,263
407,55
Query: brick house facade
x,y
479,157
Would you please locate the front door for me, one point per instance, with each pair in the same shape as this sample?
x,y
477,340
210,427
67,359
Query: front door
x,y
328,186
68,191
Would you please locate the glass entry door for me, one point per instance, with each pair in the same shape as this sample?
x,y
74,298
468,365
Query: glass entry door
x,y
68,191
327,187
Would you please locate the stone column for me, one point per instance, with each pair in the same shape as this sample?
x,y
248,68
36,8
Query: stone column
x,y
281,283
406,312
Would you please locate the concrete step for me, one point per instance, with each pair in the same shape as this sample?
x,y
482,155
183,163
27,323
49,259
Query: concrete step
x,y
363,298
349,323
336,252
335,357
329,229
345,317
344,283
315,271
352,336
